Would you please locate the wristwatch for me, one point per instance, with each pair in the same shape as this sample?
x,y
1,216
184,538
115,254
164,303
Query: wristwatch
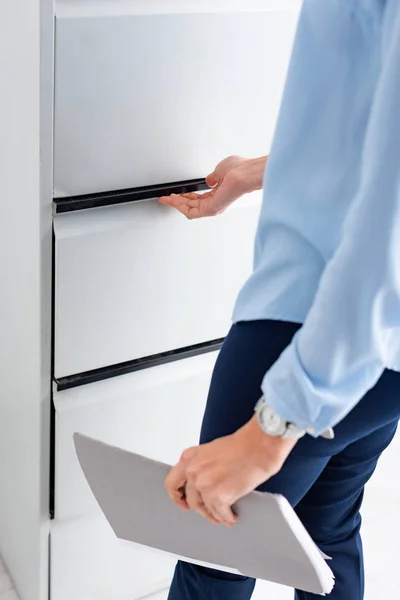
x,y
275,426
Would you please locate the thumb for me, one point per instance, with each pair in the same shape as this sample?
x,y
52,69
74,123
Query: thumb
x,y
212,179
176,479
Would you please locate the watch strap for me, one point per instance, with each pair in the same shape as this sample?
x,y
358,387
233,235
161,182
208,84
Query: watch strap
x,y
288,430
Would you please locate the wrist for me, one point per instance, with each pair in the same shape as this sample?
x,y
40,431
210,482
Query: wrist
x,y
270,452
249,175
256,173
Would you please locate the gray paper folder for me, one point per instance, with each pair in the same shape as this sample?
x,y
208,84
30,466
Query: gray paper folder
x,y
268,542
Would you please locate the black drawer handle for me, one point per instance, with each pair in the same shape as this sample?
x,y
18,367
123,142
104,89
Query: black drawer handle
x,y
148,192
79,379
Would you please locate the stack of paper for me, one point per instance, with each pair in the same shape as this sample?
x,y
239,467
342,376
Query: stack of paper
x,y
268,542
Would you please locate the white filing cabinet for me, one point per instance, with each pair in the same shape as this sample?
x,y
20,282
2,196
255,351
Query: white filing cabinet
x,y
114,307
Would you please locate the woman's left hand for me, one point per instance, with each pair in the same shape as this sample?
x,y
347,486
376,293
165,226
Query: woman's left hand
x,y
212,477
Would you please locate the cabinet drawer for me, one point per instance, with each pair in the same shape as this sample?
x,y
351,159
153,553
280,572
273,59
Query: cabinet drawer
x,y
89,563
156,412
143,99
139,279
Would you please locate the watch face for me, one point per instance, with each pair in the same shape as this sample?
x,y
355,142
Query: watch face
x,y
272,421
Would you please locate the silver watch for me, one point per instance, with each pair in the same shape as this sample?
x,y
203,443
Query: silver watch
x,y
275,426
272,424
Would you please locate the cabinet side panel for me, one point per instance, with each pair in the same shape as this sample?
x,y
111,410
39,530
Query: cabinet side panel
x,y
26,48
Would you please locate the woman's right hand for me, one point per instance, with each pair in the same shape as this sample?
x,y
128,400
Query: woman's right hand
x,y
231,179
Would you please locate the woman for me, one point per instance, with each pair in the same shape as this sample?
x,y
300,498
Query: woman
x,y
316,328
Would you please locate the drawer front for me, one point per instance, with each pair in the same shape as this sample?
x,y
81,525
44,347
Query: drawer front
x,y
156,412
89,563
143,99
139,279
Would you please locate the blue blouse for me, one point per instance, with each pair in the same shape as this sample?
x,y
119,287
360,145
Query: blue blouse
x,y
327,250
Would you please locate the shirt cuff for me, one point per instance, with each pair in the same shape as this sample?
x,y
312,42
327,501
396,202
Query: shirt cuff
x,y
294,396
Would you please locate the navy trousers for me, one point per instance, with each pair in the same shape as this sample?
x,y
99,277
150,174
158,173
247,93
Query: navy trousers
x,y
323,479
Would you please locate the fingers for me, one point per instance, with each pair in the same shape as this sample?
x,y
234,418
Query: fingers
x,y
207,500
215,505
195,502
218,514
176,480
187,493
175,483
176,200
223,513
187,204
176,490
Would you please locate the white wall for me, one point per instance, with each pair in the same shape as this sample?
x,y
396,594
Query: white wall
x,y
25,288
